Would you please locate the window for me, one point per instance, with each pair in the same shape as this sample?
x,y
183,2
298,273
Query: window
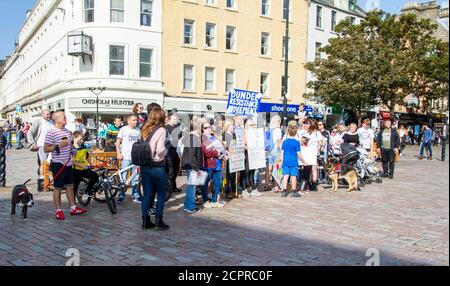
x,y
231,38
146,12
284,47
116,60
264,84
229,79
318,54
352,5
210,34
319,17
117,11
231,4
145,62
265,43
353,20
286,9
88,11
209,79
333,20
211,2
265,7
188,32
188,77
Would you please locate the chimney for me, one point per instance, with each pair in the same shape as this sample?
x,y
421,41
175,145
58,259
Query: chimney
x,y
28,13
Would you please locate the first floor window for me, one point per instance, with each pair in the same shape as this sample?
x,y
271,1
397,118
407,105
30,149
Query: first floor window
x,y
230,4
229,79
88,11
231,38
264,84
188,77
188,32
265,43
319,17
117,11
333,20
209,79
210,35
116,60
146,12
265,7
145,62
318,54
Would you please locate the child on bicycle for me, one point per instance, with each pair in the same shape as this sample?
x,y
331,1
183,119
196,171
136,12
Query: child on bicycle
x,y
82,164
128,135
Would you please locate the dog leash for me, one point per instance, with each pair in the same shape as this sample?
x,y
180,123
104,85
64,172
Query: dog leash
x,y
57,175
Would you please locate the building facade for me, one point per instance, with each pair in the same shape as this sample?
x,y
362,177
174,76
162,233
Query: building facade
x,y
211,46
437,113
122,52
323,16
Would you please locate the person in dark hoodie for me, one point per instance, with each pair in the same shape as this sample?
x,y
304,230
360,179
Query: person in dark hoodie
x,y
388,142
192,161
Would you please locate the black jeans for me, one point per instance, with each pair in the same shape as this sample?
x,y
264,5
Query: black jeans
x,y
173,168
78,176
231,181
388,161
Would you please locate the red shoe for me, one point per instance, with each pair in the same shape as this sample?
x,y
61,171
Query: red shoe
x,y
77,211
60,215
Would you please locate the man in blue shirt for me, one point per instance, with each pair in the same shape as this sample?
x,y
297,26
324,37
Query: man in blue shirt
x,y
427,136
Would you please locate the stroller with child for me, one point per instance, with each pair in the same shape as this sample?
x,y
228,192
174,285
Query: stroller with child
x,y
349,157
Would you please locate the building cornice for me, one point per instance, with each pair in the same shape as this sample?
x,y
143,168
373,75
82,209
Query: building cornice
x,y
323,3
39,24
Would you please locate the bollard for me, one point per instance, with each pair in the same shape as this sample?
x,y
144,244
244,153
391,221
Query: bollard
x,y
2,159
444,141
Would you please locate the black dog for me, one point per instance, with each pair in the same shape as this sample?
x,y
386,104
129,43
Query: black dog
x,y
22,197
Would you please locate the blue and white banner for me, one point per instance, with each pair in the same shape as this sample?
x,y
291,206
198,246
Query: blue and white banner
x,y
243,102
277,107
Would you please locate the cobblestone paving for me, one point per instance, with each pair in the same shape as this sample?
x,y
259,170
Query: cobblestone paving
x,y
405,219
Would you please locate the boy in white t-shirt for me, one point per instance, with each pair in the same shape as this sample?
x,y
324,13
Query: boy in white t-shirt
x,y
127,136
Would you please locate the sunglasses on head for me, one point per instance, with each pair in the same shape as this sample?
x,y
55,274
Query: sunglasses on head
x,y
206,127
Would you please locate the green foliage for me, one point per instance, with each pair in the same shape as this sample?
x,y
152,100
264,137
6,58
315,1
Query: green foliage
x,y
381,61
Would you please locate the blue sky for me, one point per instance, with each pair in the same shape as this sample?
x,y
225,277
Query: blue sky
x,y
12,20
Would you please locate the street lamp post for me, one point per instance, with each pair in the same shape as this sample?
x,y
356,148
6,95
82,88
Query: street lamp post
x,y
286,64
97,91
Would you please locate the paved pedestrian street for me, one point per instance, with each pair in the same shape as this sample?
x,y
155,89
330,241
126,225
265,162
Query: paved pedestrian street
x,y
405,220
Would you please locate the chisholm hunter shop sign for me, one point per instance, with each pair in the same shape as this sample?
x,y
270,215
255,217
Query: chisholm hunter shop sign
x,y
114,103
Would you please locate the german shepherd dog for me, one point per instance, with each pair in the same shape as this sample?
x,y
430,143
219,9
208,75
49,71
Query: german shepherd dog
x,y
350,176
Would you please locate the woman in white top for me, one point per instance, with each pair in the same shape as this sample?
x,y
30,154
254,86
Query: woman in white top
x,y
311,151
335,139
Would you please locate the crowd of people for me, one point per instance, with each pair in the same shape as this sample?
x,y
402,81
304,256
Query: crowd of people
x,y
201,147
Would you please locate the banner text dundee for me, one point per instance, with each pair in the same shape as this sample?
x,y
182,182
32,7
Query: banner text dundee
x,y
243,102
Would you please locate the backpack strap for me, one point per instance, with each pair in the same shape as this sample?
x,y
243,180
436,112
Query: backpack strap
x,y
155,129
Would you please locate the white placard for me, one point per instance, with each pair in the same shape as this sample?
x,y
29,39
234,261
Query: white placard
x,y
236,158
256,152
197,179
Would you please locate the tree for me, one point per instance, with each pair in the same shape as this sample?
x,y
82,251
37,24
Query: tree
x,y
383,60
345,77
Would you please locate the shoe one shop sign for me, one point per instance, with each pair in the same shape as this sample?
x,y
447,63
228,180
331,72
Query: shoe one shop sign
x,y
110,103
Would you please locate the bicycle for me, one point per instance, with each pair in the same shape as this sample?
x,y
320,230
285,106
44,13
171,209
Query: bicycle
x,y
103,186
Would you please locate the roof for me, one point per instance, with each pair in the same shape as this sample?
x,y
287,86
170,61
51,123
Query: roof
x,y
330,3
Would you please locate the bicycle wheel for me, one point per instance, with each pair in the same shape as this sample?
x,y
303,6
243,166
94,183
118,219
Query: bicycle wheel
x,y
110,198
83,198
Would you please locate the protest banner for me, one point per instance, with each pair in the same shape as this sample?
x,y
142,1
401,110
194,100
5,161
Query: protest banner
x,y
277,173
236,158
256,151
243,102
